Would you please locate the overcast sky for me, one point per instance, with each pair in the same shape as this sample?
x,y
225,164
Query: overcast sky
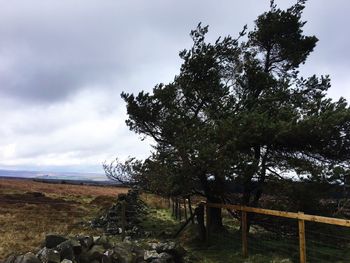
x,y
64,63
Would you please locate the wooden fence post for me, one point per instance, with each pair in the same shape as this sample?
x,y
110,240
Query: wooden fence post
x,y
123,219
190,208
207,223
180,212
185,208
176,209
302,243
244,234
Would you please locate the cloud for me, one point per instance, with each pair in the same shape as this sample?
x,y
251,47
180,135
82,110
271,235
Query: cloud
x,y
63,65
87,129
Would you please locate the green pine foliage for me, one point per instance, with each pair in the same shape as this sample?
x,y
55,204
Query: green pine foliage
x,y
240,112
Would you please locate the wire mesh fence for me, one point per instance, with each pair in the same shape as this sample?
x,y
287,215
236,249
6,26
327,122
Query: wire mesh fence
x,y
284,236
272,236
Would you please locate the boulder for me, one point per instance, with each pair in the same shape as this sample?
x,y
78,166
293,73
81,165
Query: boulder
x,y
149,255
124,255
165,257
27,258
106,259
66,250
76,245
96,253
85,241
154,257
47,255
10,259
110,256
170,247
86,249
52,240
103,241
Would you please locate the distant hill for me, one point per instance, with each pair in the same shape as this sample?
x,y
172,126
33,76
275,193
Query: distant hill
x,y
53,175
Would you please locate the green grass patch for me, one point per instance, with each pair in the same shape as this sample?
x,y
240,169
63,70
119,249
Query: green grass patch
x,y
160,223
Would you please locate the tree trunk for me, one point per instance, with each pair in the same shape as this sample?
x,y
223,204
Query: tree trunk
x,y
215,216
211,190
215,222
199,213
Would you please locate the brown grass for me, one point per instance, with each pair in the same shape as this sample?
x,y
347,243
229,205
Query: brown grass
x,y
25,218
60,189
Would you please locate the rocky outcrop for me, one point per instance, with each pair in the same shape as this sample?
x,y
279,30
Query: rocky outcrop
x,y
88,249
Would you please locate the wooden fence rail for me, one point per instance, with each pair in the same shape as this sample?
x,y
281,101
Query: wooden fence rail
x,y
300,216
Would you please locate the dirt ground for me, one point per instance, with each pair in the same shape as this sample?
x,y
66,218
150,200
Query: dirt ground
x,y
29,210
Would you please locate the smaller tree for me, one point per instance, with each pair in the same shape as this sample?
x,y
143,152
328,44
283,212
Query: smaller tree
x,y
127,173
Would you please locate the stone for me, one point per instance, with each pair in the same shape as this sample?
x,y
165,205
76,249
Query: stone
x,y
110,257
150,255
86,249
77,248
123,254
108,252
83,257
52,240
10,259
139,253
96,253
103,241
27,258
111,222
127,239
106,259
163,258
86,241
47,255
154,246
170,247
66,250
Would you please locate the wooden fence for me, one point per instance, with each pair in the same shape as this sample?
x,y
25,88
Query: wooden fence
x,y
301,217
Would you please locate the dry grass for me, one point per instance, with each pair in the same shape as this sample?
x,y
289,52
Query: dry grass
x,y
25,218
155,201
7,185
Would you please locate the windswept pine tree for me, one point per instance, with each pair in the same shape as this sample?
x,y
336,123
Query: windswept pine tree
x,y
239,111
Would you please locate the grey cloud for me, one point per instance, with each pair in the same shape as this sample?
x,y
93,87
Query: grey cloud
x,y
64,63
57,48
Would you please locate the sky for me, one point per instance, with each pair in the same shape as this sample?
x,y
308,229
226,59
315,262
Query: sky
x,y
64,63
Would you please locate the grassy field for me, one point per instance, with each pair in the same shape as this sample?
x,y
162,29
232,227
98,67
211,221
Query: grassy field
x,y
29,210
324,243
